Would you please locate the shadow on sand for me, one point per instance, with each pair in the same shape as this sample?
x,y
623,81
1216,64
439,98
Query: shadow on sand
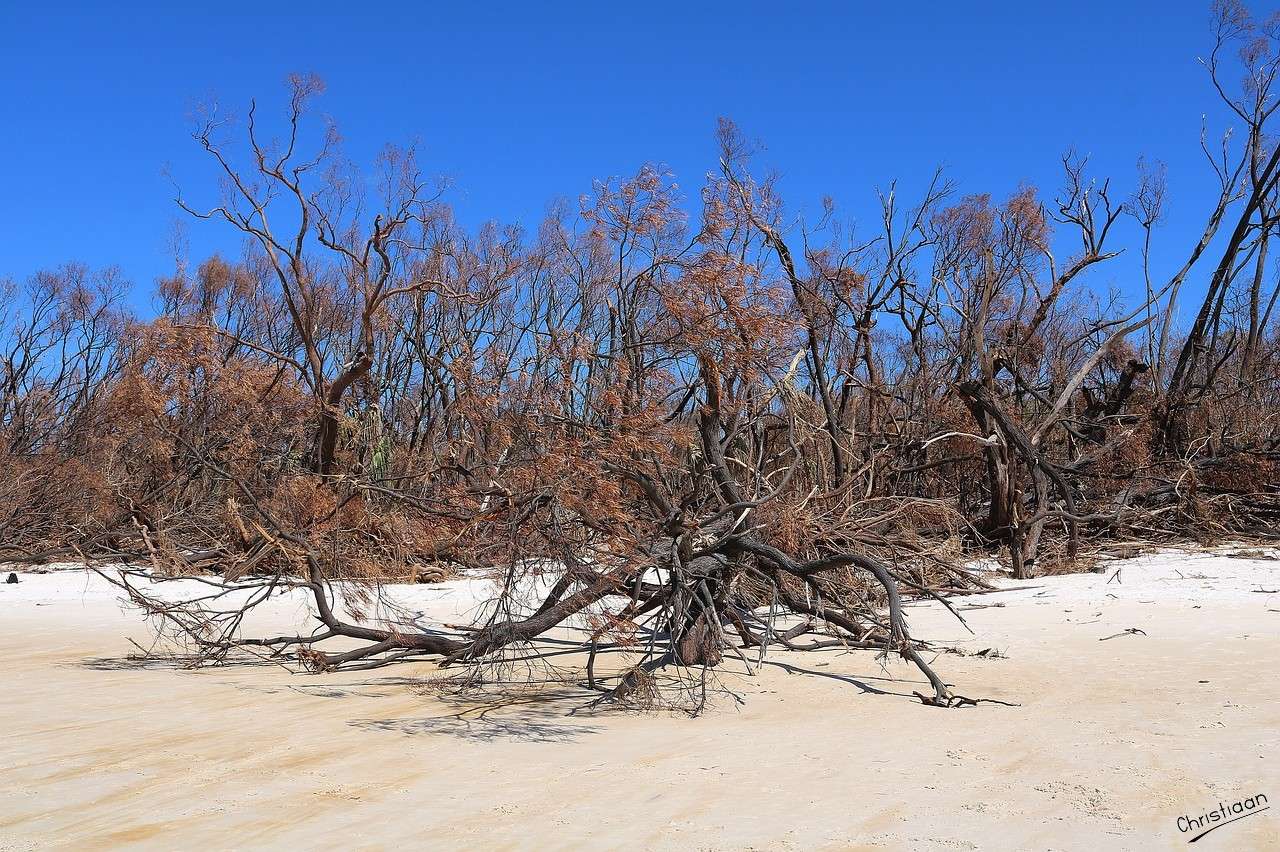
x,y
519,715
167,662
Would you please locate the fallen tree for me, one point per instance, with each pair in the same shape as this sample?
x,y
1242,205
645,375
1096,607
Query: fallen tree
x,y
708,433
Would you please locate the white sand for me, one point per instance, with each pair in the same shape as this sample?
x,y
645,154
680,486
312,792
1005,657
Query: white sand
x,y
1112,741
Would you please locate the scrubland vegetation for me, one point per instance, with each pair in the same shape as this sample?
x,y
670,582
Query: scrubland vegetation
x,y
699,423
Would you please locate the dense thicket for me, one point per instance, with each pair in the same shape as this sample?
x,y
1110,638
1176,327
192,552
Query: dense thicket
x,y
684,418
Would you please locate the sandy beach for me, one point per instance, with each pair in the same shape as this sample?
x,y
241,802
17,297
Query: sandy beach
x,y
1112,737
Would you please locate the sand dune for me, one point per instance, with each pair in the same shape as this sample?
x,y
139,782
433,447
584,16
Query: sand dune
x,y
1112,739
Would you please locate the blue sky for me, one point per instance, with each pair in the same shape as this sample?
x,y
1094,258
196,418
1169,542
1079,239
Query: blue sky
x,y
522,103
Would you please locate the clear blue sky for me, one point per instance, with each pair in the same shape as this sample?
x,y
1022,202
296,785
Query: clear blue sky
x,y
520,103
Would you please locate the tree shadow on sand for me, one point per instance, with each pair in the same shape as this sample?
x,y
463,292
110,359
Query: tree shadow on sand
x,y
517,715
160,662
